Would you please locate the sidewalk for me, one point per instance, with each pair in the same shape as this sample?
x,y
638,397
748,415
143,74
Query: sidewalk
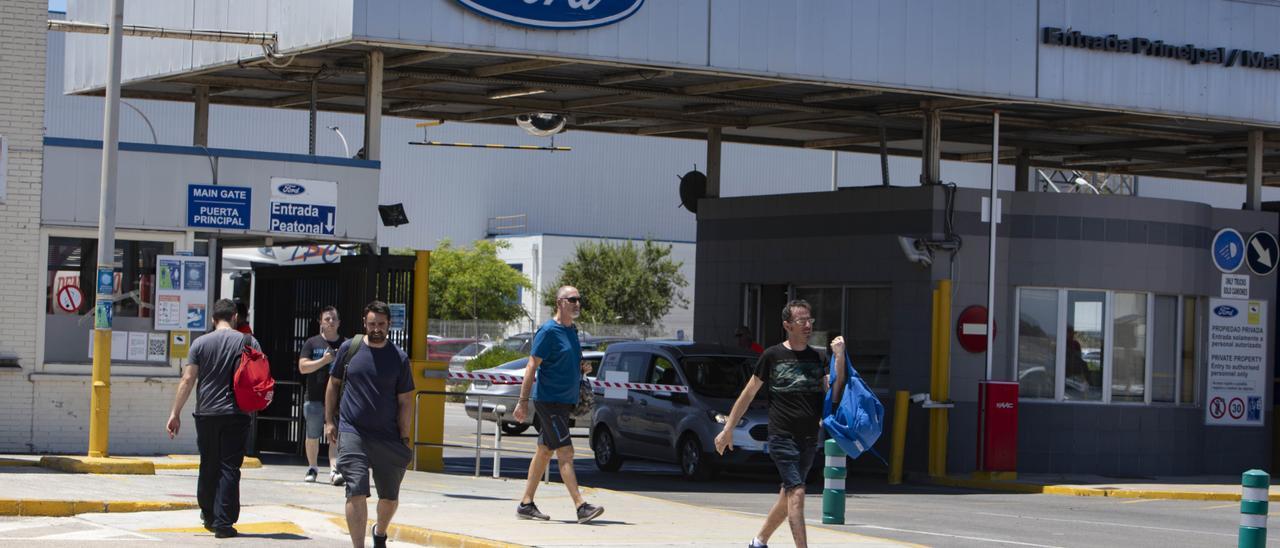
x,y
469,510
1209,488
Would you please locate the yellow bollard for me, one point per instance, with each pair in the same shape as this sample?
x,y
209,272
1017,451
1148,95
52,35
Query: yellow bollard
x,y
940,389
430,418
900,411
100,394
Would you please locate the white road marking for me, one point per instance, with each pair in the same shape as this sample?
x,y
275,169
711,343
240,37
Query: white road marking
x,y
1109,523
962,537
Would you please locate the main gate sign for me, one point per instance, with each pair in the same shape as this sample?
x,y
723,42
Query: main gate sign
x,y
556,14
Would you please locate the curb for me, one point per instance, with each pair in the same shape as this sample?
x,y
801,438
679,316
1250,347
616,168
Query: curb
x,y
1076,491
194,464
429,537
63,508
99,465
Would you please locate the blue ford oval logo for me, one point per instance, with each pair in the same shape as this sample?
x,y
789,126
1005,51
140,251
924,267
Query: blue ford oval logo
x,y
1225,311
291,189
556,14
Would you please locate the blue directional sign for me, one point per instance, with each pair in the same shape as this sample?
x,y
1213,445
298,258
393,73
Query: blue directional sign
x,y
1262,253
1228,250
300,206
218,206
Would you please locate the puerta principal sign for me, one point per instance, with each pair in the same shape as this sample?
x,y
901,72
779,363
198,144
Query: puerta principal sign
x,y
218,206
301,206
1137,45
1237,378
555,14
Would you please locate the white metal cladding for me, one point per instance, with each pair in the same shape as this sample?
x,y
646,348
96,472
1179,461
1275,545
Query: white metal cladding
x,y
299,23
1166,85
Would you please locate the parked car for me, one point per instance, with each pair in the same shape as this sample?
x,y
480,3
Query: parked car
x,y
507,392
679,427
440,349
520,342
459,361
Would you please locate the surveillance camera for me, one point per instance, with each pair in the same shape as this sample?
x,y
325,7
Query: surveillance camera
x,y
916,251
920,398
541,124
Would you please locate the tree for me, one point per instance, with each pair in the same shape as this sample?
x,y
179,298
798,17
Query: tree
x,y
623,284
474,284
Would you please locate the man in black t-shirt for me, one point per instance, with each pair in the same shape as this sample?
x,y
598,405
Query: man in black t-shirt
x,y
313,361
796,376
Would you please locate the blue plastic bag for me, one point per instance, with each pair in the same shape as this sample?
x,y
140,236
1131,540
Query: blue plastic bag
x,y
858,421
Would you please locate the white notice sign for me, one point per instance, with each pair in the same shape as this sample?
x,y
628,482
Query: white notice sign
x,y
1237,382
616,393
1235,286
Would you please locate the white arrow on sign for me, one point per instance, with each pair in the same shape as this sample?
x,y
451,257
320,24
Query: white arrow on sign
x,y
1264,255
329,225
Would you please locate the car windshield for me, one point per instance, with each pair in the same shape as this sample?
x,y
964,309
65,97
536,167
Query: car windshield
x,y
514,364
447,347
513,343
718,376
471,350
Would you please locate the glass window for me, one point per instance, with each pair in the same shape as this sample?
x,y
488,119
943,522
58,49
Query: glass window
x,y
1190,337
1037,342
663,372
866,333
825,303
718,376
1086,312
1164,359
636,364
1129,348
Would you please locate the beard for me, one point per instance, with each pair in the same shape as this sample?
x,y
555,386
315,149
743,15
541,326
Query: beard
x,y
377,337
574,314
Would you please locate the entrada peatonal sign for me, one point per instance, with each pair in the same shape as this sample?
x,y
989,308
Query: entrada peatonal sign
x,y
1190,53
556,14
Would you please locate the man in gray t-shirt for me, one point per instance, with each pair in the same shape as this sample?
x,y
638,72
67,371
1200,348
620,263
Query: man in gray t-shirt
x,y
222,429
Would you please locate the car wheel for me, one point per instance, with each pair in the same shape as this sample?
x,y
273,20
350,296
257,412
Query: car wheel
x,y
694,463
606,451
514,428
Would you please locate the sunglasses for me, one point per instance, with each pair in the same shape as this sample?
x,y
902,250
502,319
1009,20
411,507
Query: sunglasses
x,y
574,300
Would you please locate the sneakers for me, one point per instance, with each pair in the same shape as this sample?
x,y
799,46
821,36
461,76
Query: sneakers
x,y
588,512
530,511
311,476
379,541
336,478
755,543
225,532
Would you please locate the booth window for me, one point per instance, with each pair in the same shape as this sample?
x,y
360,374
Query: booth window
x,y
862,316
70,292
1105,346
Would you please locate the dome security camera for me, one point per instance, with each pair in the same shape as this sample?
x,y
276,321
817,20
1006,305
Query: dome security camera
x,y
541,124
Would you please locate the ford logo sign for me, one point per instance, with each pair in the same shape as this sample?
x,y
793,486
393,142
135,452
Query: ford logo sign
x,y
1225,311
291,189
555,14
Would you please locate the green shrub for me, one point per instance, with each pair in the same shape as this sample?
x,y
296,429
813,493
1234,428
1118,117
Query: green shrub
x,y
493,357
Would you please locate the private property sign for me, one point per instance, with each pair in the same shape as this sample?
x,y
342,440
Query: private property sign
x,y
301,206
218,206
1237,377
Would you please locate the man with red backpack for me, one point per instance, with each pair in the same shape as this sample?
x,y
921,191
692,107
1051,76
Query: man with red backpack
x,y
222,427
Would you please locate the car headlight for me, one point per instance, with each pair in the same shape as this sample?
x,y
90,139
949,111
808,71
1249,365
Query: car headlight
x,y
721,418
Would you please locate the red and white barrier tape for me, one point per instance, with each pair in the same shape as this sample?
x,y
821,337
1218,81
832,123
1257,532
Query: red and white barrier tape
x,y
497,377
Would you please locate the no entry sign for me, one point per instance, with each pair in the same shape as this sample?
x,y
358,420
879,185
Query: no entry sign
x,y
971,329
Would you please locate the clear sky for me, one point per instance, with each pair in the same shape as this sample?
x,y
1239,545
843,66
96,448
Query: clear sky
x,y
57,5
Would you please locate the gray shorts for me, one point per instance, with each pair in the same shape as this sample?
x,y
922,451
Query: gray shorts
x,y
793,457
388,459
553,423
313,413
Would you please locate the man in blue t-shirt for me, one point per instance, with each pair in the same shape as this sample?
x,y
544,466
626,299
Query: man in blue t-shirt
x,y
374,421
556,358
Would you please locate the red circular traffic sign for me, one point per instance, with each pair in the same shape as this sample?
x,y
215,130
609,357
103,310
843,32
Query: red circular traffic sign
x,y
69,298
971,329
1236,408
1218,407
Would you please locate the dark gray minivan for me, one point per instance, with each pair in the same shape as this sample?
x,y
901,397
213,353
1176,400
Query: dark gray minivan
x,y
673,426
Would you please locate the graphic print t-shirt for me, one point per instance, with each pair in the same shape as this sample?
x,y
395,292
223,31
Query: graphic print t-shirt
x,y
794,382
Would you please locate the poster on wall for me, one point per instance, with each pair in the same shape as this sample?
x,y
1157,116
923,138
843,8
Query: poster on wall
x,y
182,293
1236,391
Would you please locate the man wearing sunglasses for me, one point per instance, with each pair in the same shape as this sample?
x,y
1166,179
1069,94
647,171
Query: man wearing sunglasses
x,y
796,376
556,358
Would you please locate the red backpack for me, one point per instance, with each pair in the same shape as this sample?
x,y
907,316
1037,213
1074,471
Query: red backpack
x,y
252,383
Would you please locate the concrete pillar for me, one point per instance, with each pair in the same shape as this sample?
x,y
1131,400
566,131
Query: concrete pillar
x,y
1253,176
713,162
200,131
931,148
373,106
1022,171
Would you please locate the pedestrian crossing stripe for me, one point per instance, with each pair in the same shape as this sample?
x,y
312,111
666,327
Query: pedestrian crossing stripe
x,y
259,528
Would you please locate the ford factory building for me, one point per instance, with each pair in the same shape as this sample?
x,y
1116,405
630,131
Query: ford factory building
x,y
1139,331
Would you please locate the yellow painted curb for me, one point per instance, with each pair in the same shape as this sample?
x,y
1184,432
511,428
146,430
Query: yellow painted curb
x,y
1077,491
259,528
63,508
428,537
18,462
192,462
99,465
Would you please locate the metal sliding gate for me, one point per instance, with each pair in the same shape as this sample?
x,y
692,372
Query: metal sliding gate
x,y
286,301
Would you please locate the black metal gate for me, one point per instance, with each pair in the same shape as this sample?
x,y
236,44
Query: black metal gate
x,y
286,302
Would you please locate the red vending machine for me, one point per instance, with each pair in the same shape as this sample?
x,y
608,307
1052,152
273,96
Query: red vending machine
x,y
998,427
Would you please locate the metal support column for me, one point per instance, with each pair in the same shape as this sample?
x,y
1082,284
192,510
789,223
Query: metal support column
x,y
931,153
713,162
1022,171
311,120
884,157
373,106
1253,176
200,129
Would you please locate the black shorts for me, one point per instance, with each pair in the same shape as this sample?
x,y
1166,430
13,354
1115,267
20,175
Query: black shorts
x,y
388,460
553,423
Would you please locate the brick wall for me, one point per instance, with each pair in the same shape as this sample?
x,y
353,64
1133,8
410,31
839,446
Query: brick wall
x,y
139,409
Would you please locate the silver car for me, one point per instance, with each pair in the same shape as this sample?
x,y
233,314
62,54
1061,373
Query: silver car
x,y
506,393
673,426
458,362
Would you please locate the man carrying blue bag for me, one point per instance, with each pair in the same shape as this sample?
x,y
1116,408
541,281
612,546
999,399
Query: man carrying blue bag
x,y
856,418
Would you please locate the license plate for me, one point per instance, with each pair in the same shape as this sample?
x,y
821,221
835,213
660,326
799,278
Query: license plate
x,y
480,384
